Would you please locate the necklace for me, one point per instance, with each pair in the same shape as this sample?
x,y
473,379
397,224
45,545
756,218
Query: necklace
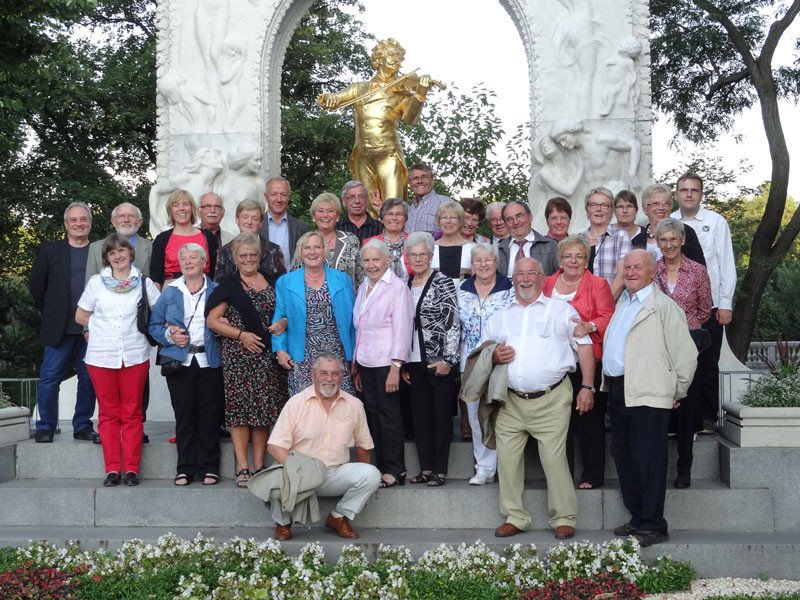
x,y
199,287
565,282
315,278
419,282
247,283
647,231
328,241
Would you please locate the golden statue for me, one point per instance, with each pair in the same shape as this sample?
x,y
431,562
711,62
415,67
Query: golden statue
x,y
380,103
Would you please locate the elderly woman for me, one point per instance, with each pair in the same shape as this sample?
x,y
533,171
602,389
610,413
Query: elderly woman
x,y
625,208
590,295
343,247
178,323
431,369
656,205
181,216
117,355
479,297
687,283
394,216
474,212
316,303
249,218
240,310
558,214
451,251
383,315
608,245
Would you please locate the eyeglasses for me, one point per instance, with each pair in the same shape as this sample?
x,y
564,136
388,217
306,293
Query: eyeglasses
x,y
449,218
418,255
661,204
598,205
356,197
214,206
484,261
573,256
394,215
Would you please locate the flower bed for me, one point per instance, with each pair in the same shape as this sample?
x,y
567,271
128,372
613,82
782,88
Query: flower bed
x,y
199,569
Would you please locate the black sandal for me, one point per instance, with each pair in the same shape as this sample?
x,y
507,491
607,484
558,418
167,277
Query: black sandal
x,y
182,477
214,479
436,481
398,480
421,478
242,477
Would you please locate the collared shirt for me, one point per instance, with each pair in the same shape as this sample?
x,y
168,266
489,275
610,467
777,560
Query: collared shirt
x,y
279,232
303,425
474,312
715,238
513,250
385,279
495,241
422,213
618,328
193,304
692,290
370,228
611,247
114,338
133,239
541,335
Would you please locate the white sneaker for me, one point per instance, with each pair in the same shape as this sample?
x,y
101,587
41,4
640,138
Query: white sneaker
x,y
481,479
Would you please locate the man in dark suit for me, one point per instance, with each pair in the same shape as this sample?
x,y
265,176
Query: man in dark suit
x,y
524,241
126,219
280,227
57,282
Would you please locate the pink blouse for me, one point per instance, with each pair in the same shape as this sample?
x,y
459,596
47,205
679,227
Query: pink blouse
x,y
692,290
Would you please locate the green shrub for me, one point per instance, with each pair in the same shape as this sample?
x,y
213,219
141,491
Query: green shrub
x,y
666,575
774,391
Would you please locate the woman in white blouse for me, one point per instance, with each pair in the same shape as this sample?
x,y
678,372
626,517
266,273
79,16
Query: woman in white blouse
x,y
117,355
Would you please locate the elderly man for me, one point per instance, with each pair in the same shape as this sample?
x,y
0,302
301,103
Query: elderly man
x,y
57,282
212,210
422,212
537,343
715,238
249,219
356,220
126,219
524,241
649,360
280,227
494,214
324,422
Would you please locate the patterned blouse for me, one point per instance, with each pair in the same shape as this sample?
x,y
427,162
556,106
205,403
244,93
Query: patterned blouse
x,y
271,262
692,291
438,314
474,312
345,257
610,248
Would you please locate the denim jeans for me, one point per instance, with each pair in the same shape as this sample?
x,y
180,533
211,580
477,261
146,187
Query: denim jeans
x,y
54,366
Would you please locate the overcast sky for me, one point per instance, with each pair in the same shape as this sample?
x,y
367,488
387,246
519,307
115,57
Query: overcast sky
x,y
472,41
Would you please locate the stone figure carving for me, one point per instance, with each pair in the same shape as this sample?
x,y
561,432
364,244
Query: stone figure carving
x,y
189,100
197,178
619,88
560,171
380,104
242,181
231,62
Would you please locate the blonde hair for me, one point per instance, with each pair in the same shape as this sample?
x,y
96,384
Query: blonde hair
x,y
301,243
175,197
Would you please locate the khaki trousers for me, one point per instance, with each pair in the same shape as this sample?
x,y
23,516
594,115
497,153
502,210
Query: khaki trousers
x,y
547,420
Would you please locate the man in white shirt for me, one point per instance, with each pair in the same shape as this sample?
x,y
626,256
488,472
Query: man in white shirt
x,y
280,227
535,335
715,238
494,214
523,240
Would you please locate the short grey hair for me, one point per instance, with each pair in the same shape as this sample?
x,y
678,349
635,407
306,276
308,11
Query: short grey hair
x,y
73,205
485,249
450,207
573,240
650,255
391,203
419,237
669,224
492,206
279,178
352,184
192,247
136,208
245,239
655,189
603,191
379,245
327,356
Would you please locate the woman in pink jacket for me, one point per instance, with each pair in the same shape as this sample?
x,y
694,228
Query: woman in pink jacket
x,y
383,316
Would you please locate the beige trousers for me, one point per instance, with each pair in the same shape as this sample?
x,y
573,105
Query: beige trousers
x,y
547,420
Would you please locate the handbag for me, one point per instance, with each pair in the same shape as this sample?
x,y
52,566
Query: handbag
x,y
143,315
169,366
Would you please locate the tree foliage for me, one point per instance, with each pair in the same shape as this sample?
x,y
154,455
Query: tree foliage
x,y
711,60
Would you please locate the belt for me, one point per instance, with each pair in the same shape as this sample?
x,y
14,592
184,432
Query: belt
x,y
539,394
196,349
615,378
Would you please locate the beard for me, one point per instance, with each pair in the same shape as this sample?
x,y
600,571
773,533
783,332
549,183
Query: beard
x,y
127,229
328,390
526,293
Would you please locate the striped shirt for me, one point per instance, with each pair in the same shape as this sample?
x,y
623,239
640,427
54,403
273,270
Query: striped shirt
x,y
422,213
611,247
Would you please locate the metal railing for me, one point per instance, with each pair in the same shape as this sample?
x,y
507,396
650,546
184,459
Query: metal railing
x,y
22,390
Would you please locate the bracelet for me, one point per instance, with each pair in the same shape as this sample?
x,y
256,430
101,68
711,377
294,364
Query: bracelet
x,y
397,363
240,335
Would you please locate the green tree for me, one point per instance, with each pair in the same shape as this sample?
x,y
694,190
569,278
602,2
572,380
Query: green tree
x,y
711,60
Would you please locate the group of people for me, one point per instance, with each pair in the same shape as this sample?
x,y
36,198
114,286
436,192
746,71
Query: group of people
x,y
380,326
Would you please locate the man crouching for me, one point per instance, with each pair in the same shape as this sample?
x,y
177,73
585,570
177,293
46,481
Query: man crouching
x,y
324,422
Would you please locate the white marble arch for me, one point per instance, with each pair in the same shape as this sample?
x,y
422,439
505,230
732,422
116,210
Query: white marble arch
x,y
209,49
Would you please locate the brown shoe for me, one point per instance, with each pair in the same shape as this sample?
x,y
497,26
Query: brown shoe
x,y
507,530
283,533
564,532
341,526
625,530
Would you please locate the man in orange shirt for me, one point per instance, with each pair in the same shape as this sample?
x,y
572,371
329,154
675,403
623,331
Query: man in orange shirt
x,y
324,422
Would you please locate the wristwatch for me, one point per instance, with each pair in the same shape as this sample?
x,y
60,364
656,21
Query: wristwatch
x,y
397,363
594,327
590,388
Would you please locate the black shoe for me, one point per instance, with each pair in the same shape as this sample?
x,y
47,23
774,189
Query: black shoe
x,y
625,530
97,439
649,537
86,435
682,484
44,436
131,478
111,479
145,438
223,432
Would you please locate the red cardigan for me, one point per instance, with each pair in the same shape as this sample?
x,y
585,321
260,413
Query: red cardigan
x,y
593,301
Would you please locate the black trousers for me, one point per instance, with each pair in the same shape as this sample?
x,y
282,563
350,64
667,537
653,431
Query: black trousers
x,y
384,419
590,430
197,399
707,377
432,400
639,442
687,420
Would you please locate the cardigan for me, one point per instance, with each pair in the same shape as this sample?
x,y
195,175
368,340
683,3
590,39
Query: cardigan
x,y
158,258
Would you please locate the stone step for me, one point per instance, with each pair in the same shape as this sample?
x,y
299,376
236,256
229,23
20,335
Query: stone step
x,y
157,502
711,553
66,457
